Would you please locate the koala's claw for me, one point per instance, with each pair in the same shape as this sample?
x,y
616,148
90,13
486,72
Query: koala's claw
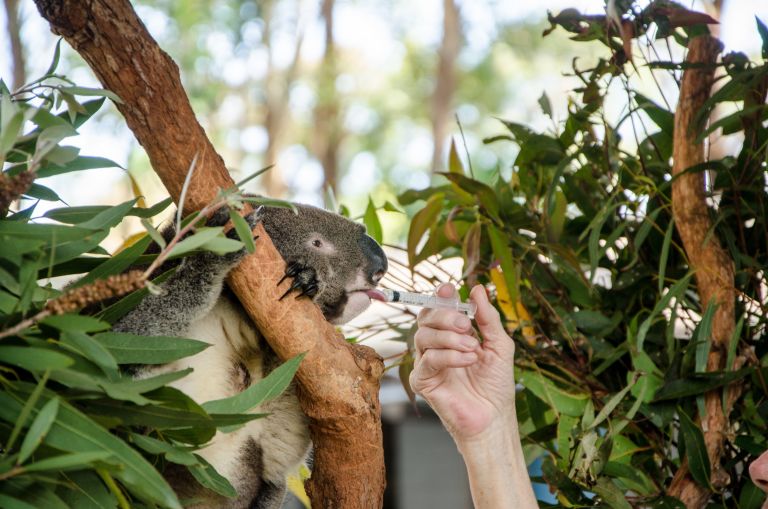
x,y
304,279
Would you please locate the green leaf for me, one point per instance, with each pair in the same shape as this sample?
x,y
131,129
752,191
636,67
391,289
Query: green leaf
x,y
207,476
65,462
39,428
44,497
702,337
70,322
87,91
34,359
86,491
10,132
222,245
675,291
117,263
196,241
390,207
75,432
372,223
610,406
698,384
611,494
21,421
173,453
8,502
56,56
695,450
267,389
90,349
41,193
763,31
560,400
153,233
73,215
565,439
51,136
482,194
243,231
503,252
110,217
80,163
751,496
454,161
546,104
663,118
132,349
665,254
421,222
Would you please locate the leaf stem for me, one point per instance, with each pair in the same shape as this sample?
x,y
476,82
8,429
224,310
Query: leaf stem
x,y
122,502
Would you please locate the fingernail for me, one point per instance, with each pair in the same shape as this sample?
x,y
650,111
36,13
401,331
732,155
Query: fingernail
x,y
462,322
468,343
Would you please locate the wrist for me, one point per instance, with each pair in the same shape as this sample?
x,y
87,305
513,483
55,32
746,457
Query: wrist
x,y
501,427
496,467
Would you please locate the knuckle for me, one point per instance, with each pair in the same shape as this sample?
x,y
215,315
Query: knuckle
x,y
418,337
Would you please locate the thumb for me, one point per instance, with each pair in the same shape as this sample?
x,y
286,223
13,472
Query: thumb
x,y
486,317
446,290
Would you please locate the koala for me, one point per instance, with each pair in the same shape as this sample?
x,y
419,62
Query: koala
x,y
332,261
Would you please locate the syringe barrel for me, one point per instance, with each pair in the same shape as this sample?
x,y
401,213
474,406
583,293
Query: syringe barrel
x,y
430,301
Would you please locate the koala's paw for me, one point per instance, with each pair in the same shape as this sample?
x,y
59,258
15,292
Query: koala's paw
x,y
229,260
304,279
220,216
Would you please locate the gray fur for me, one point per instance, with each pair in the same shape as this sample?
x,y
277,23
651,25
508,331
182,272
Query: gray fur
x,y
196,303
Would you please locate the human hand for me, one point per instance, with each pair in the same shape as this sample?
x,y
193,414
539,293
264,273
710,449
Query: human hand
x,y
471,385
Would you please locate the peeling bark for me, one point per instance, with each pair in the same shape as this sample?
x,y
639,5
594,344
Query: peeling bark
x,y
338,382
714,269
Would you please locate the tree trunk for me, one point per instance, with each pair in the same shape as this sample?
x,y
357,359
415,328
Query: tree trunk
x,y
338,382
714,269
277,87
14,37
445,85
326,133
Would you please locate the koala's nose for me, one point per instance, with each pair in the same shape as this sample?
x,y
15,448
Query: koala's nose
x,y
758,470
377,269
377,277
377,260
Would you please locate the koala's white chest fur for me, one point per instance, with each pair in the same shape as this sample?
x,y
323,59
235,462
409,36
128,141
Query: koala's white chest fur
x,y
234,360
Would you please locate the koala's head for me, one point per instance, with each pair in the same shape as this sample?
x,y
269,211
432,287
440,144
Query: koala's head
x,y
346,261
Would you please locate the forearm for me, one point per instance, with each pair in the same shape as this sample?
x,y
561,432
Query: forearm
x,y
498,476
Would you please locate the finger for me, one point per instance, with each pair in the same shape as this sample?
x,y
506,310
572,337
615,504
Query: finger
x,y
444,319
427,338
486,317
435,360
446,290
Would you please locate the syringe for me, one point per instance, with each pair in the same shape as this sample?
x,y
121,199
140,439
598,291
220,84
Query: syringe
x,y
423,300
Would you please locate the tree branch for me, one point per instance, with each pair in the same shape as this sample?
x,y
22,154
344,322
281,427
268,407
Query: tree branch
x,y
713,266
338,382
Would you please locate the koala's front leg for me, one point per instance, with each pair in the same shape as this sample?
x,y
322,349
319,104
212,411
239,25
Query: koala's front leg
x,y
190,293
304,279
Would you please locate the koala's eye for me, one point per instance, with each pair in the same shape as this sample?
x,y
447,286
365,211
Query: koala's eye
x,y
317,243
